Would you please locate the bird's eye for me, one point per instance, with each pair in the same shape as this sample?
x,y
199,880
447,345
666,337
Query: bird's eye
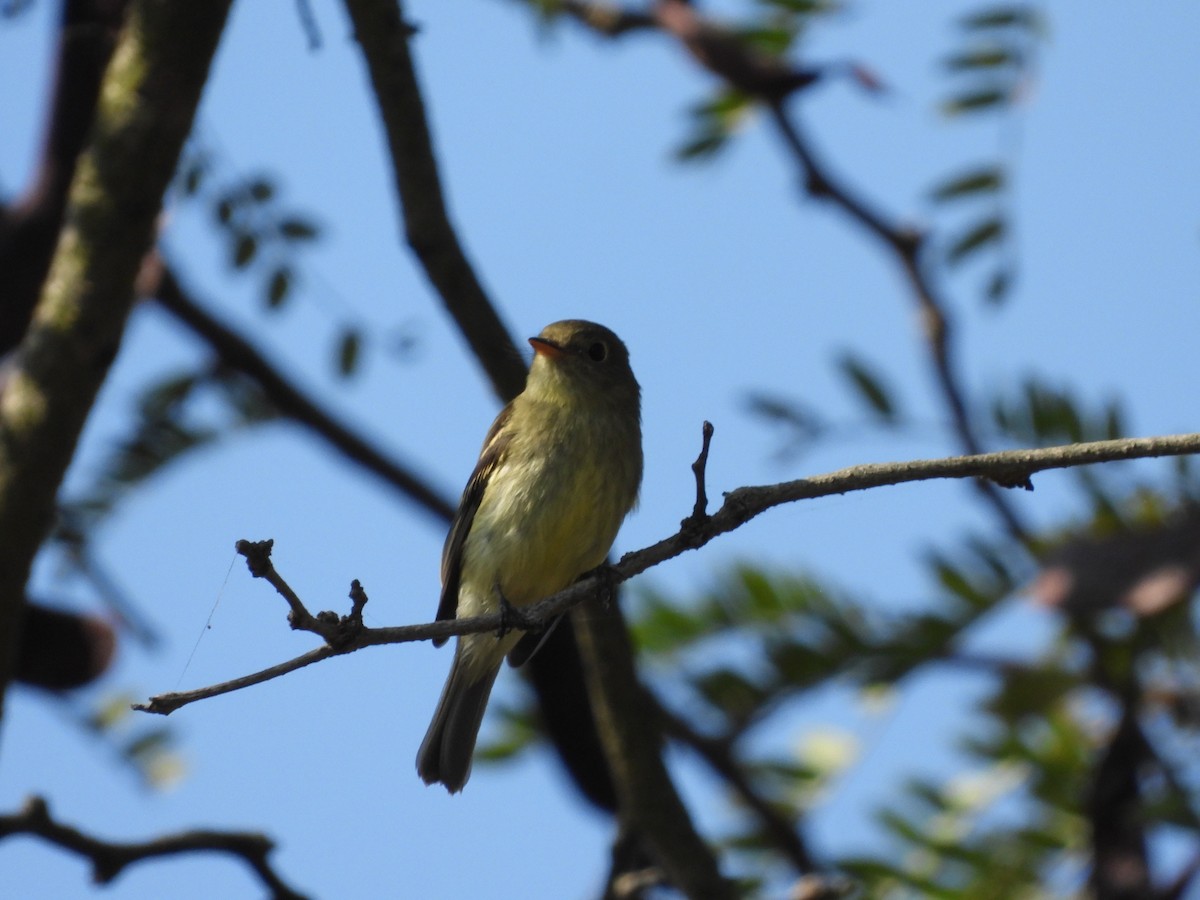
x,y
598,351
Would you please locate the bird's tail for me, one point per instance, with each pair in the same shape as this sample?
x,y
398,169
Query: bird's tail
x,y
449,744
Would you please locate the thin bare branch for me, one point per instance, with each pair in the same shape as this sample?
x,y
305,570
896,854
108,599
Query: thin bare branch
x,y
109,859
699,467
383,33
165,704
740,506
908,246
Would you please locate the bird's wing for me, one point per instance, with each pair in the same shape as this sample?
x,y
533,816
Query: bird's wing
x,y
494,447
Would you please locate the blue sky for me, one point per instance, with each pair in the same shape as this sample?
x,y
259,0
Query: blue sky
x,y
556,153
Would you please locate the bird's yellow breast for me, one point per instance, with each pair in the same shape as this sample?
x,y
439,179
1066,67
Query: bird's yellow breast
x,y
550,512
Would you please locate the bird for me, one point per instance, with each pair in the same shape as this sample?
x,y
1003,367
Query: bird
x,y
560,468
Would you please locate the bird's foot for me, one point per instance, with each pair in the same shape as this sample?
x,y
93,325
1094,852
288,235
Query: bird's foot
x,y
511,618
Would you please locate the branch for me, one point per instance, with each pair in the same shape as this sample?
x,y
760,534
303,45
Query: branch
x,y
29,226
717,50
1011,467
1114,805
717,753
110,859
699,469
145,112
908,247
649,804
158,279
380,28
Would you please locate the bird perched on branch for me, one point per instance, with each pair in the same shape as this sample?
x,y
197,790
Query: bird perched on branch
x,y
559,470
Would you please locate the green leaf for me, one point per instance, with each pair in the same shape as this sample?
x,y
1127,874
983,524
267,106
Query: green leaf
x,y
701,147
349,350
193,177
729,691
245,246
804,421
798,665
260,190
987,180
297,229
1025,693
954,580
998,287
727,107
152,741
279,286
975,101
869,386
989,231
162,398
770,41
664,627
1114,422
982,58
517,732
111,711
1018,15
714,120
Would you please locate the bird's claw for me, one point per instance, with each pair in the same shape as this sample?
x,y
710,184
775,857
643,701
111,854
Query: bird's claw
x,y
511,618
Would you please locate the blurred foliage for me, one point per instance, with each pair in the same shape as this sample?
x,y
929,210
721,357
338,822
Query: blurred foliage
x,y
773,29
990,72
1090,730
1024,812
265,240
260,235
146,749
173,416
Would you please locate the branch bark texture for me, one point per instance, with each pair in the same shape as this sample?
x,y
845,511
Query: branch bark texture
x,y
145,111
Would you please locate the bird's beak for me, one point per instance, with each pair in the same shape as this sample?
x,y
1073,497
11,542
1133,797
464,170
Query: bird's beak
x,y
546,348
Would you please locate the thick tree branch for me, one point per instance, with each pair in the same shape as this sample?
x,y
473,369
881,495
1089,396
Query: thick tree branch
x,y
628,728
145,112
1014,467
157,279
29,226
380,28
109,859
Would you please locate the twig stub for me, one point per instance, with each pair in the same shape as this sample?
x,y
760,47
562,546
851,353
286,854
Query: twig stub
x,y
699,467
358,599
258,555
